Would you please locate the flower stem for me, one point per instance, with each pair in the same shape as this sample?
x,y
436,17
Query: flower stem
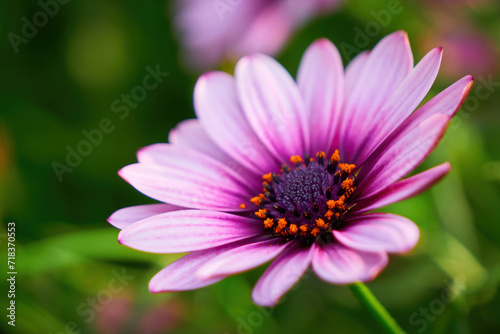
x,y
376,309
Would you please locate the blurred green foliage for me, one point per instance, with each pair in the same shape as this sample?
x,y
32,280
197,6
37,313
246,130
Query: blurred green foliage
x,y
64,80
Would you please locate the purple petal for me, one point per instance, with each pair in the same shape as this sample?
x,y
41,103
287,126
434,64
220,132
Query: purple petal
x,y
273,106
188,178
126,216
376,232
353,71
190,134
242,258
188,230
404,189
402,103
321,82
281,275
387,66
406,152
217,106
338,264
413,140
180,275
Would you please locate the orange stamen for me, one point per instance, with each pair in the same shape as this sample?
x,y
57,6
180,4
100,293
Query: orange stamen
x,y
261,213
243,206
320,223
348,168
268,177
293,228
296,159
268,223
315,231
329,214
347,184
257,200
336,156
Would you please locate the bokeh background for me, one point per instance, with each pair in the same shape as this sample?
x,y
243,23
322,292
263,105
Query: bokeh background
x,y
64,80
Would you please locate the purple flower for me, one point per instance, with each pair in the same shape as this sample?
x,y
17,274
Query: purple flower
x,y
277,168
213,30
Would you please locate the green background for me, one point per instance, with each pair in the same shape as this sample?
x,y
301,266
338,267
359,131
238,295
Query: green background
x,y
64,80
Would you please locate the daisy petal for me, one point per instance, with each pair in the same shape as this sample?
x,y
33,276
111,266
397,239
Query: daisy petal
x,y
353,71
187,230
404,189
434,115
273,105
375,232
174,175
217,106
242,258
402,103
180,275
321,82
338,264
407,151
190,134
126,216
387,66
281,275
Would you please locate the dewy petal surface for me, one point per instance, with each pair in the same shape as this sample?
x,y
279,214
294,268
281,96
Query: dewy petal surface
x,y
282,275
338,264
321,82
273,105
126,216
187,230
376,232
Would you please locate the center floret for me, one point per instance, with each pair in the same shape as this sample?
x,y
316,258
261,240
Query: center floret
x,y
307,200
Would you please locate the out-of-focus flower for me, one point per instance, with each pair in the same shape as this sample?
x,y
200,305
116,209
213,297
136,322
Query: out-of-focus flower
x,y
213,30
290,169
121,315
468,50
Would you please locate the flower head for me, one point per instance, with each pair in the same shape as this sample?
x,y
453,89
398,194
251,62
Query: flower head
x,y
212,31
277,168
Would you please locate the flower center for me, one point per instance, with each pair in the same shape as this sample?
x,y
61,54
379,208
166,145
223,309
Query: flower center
x,y
307,200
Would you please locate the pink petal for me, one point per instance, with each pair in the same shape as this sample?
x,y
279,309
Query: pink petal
x,y
402,103
376,232
126,216
353,71
242,258
190,134
188,230
273,106
387,66
281,275
407,151
338,264
188,178
321,82
412,133
217,106
180,275
267,33
404,189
